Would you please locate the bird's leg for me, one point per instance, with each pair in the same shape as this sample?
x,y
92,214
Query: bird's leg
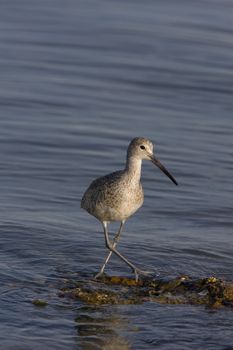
x,y
113,249
115,241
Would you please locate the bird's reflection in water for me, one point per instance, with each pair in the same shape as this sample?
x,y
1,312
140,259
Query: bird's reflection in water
x,y
98,328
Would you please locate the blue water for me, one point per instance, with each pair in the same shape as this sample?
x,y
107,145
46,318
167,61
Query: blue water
x,y
79,79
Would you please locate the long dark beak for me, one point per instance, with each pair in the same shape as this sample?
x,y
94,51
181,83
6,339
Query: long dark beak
x,y
164,170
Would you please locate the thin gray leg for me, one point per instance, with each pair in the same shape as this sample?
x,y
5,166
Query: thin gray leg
x,y
113,249
115,241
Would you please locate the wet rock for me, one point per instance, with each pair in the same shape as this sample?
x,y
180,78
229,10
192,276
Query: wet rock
x,y
211,291
39,303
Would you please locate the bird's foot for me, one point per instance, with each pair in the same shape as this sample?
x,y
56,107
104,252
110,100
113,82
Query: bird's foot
x,y
138,272
98,275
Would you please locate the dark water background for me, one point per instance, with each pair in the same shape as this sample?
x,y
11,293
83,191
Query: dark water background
x,y
79,79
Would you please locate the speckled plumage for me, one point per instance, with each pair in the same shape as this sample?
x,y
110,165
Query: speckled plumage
x,y
118,195
113,197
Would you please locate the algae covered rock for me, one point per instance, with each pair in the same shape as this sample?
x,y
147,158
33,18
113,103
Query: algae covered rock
x,y
211,291
39,302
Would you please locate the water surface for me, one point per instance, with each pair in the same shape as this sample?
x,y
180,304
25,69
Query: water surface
x,y
79,79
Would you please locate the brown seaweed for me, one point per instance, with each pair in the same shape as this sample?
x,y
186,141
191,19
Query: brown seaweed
x,y
210,291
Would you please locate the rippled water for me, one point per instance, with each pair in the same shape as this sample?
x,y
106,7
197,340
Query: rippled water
x,y
79,79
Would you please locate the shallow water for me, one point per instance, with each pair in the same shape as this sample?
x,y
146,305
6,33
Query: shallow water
x,y
78,81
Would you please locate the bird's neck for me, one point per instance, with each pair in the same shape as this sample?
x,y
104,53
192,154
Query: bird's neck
x,y
133,168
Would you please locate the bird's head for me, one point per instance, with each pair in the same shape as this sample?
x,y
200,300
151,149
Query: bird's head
x,y
142,148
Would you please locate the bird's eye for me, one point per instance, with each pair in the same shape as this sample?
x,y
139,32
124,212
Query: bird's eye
x,y
142,147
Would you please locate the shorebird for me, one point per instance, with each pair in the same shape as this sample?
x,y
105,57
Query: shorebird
x,y
117,196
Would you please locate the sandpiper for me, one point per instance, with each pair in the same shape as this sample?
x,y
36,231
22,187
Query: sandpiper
x,y
117,196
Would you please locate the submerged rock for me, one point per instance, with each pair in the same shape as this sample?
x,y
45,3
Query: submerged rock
x,y
39,302
211,291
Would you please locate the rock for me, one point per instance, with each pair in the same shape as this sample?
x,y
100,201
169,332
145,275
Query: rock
x,y
210,291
